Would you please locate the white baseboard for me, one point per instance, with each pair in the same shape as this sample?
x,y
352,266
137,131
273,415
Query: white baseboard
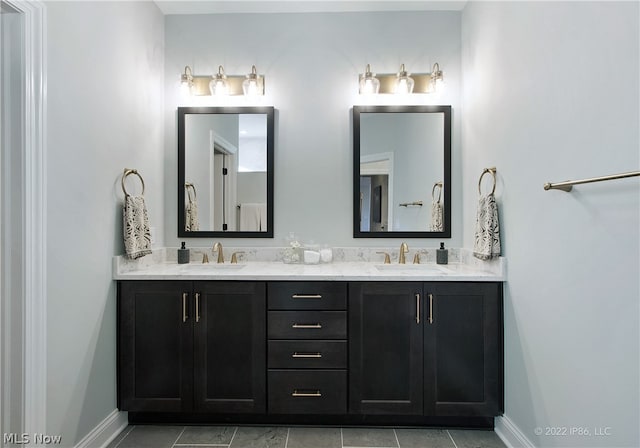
x,y
106,431
510,434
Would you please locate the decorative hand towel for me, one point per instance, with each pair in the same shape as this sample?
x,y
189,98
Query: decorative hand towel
x,y
191,216
487,237
436,217
137,235
250,217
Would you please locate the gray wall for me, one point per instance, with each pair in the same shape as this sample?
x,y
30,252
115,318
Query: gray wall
x,y
551,93
311,63
105,81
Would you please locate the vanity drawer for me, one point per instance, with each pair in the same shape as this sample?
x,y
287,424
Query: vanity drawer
x,y
307,324
307,391
307,296
307,355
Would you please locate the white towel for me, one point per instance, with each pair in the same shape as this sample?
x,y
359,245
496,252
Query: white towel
x,y
487,238
250,215
437,224
137,234
191,216
263,217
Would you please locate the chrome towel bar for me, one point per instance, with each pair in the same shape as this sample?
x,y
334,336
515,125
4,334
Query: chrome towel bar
x,y
567,185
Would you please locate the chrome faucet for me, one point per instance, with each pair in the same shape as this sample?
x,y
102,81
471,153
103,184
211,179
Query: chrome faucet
x,y
218,247
403,250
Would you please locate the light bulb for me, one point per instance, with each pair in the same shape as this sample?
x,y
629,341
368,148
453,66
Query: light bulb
x,y
404,83
218,85
369,84
186,82
250,86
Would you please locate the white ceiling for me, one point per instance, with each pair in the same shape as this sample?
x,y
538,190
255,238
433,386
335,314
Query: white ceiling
x,y
271,6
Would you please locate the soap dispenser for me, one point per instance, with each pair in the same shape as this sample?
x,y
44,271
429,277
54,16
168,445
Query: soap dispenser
x,y
183,254
442,255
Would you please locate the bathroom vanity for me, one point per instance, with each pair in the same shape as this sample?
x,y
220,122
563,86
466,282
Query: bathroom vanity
x,y
343,343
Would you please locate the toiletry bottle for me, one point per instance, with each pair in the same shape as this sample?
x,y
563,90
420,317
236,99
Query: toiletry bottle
x,y
442,255
183,254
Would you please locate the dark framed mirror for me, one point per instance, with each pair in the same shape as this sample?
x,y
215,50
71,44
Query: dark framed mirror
x,y
402,171
225,172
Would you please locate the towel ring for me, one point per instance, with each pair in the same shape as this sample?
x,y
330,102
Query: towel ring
x,y
491,170
189,185
433,190
128,171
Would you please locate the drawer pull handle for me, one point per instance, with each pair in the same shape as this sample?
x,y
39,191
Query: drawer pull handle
x,y
307,326
306,355
301,393
306,296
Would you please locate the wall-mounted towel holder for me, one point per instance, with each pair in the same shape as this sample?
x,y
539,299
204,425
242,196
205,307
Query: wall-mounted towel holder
x,y
567,185
410,204
127,172
492,171
433,191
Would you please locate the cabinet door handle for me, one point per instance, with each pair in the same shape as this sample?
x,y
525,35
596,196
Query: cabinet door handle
x,y
307,326
306,355
308,393
185,295
197,307
417,308
430,308
306,296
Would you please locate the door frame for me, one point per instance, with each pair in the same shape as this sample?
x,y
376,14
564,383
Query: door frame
x,y
33,335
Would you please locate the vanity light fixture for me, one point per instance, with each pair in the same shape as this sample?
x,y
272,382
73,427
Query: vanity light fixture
x,y
186,81
404,83
437,80
218,84
401,82
253,84
221,84
369,84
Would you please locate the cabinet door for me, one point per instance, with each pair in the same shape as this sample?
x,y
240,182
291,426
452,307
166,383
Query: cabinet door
x,y
155,340
385,348
230,347
463,349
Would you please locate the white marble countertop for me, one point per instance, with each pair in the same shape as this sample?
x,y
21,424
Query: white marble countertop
x,y
162,266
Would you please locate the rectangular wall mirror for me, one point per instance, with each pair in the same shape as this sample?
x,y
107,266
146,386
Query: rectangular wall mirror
x,y
225,172
402,171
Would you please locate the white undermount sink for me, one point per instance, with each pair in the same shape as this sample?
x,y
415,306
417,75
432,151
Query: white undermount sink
x,y
424,268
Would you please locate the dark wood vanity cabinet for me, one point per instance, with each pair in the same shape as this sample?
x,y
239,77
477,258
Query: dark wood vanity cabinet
x,y
192,346
155,346
229,347
353,352
433,349
307,330
463,346
385,348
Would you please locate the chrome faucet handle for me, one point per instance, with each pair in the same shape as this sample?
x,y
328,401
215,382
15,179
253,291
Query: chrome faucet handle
x,y
387,258
234,258
205,258
416,258
218,247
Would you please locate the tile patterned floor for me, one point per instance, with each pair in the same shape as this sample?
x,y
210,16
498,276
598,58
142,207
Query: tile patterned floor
x,y
301,437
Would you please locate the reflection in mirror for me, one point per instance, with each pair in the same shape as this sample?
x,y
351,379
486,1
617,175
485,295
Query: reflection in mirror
x,y
402,171
225,171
